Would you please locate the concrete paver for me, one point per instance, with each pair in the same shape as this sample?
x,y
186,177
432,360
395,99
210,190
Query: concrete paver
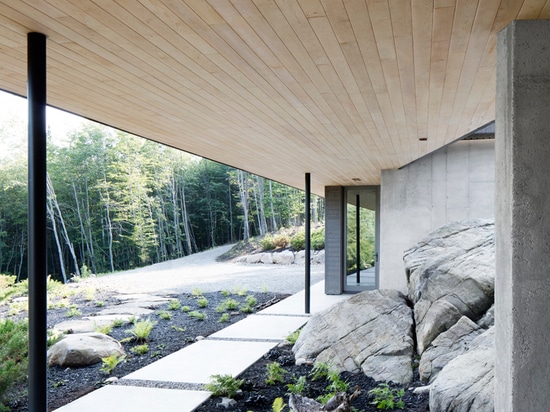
x,y
268,327
118,398
197,362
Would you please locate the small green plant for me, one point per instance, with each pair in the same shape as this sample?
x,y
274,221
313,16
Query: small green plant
x,y
336,384
320,370
186,308
141,329
196,292
264,289
178,328
298,241
174,304
73,312
227,304
202,302
274,373
89,293
99,303
224,385
54,336
224,318
110,362
117,323
387,398
165,315
246,309
239,292
278,405
140,349
251,300
197,315
105,329
293,337
299,385
225,293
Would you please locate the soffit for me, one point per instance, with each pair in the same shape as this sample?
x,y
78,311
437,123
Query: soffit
x,y
340,89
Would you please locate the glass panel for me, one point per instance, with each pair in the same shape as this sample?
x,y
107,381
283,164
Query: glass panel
x,y
361,239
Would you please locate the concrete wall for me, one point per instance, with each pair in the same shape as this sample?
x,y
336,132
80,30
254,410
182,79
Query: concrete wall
x,y
454,183
334,240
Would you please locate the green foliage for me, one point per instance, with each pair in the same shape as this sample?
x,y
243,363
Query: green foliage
x,y
251,300
298,387
202,302
105,329
224,318
141,329
274,373
366,240
225,293
13,354
53,336
73,312
117,323
270,242
179,328
99,303
196,292
110,362
227,304
186,308
174,304
246,309
278,405
224,385
387,398
335,382
298,241
140,349
320,370
197,315
318,239
165,315
293,337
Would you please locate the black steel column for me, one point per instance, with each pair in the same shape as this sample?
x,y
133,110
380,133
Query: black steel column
x,y
36,98
307,245
358,237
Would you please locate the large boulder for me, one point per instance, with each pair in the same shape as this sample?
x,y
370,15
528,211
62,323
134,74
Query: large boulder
x,y
467,382
286,257
82,349
451,274
446,347
370,332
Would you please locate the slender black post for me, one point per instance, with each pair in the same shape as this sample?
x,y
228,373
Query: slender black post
x,y
307,245
358,237
36,98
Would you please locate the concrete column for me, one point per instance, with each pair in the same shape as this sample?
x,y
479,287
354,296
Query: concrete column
x,y
522,214
334,239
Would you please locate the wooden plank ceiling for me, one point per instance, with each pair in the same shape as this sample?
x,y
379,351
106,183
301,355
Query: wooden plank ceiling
x,y
338,88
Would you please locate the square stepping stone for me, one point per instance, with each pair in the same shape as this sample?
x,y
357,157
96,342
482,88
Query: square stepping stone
x,y
197,362
262,327
116,398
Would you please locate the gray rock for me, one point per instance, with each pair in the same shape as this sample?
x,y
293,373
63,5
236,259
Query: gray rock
x,y
488,319
451,274
255,258
266,258
318,257
467,382
83,349
369,332
286,257
227,403
446,347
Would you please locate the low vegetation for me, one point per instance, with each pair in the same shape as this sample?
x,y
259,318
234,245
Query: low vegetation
x,y
224,385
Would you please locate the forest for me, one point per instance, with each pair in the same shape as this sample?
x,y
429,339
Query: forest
x,y
116,201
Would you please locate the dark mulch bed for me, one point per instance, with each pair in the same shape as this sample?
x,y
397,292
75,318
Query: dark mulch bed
x,y
257,396
67,384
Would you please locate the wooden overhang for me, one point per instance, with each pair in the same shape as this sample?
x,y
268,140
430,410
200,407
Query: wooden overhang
x,y
340,89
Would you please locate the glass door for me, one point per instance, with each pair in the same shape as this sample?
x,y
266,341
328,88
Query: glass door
x,y
361,263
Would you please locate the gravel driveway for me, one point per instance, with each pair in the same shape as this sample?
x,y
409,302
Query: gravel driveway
x,y
201,270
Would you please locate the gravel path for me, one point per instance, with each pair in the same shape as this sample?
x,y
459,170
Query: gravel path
x,y
201,270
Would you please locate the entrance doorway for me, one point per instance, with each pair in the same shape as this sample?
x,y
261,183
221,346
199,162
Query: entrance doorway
x,y
361,238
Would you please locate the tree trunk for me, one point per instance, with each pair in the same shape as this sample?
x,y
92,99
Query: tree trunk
x,y
243,193
263,223
273,221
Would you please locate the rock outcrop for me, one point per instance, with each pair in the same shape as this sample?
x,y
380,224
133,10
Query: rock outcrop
x,y
369,332
82,349
451,274
466,383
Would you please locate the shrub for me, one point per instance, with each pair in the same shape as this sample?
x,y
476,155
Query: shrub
x,y
227,304
165,315
251,300
267,243
279,241
174,304
298,241
13,354
202,302
318,239
224,318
